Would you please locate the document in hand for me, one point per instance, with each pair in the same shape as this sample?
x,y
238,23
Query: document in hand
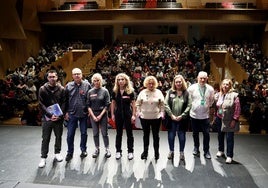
x,y
55,110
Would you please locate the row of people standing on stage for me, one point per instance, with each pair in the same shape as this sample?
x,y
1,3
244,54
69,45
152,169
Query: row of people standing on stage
x,y
79,100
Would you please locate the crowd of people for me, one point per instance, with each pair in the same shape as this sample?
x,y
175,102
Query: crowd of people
x,y
139,59
150,83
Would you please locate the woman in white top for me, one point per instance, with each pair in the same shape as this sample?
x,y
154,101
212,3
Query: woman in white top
x,y
150,110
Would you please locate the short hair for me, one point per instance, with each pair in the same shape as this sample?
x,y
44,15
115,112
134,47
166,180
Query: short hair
x,y
52,71
97,76
202,73
147,79
76,70
184,85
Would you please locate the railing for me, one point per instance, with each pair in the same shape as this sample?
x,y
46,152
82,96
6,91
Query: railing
x,y
218,47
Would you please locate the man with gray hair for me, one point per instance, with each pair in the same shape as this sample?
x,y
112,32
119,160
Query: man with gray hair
x,y
77,113
202,97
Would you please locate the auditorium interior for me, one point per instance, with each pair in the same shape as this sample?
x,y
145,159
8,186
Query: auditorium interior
x,y
80,33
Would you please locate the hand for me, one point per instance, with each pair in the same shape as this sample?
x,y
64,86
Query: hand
x,y
232,124
113,117
162,115
178,118
138,114
66,117
133,118
54,118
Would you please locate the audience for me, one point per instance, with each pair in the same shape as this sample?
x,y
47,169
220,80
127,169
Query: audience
x,y
138,59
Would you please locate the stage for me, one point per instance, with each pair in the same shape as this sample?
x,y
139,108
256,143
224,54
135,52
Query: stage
x,y
20,155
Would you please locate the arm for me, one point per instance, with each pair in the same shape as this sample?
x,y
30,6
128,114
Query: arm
x,y
133,104
167,107
113,104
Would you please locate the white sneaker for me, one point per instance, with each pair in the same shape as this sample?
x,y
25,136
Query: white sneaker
x,y
130,156
219,154
118,155
228,160
58,157
42,163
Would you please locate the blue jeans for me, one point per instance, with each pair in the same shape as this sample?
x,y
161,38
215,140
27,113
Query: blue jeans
x,y
229,139
201,125
71,127
172,133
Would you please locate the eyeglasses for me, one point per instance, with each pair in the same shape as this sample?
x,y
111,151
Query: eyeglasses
x,y
77,74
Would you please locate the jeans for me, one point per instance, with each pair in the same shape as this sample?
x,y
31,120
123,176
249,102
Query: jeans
x,y
47,127
229,139
71,127
172,133
203,126
96,126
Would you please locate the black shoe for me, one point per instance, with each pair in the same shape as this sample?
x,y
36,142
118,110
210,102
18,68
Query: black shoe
x,y
83,154
144,155
196,152
207,155
171,155
69,156
156,156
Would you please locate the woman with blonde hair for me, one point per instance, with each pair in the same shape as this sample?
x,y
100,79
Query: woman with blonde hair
x,y
98,105
123,112
177,105
150,110
227,118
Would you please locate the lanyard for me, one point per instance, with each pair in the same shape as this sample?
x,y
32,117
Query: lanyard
x,y
202,91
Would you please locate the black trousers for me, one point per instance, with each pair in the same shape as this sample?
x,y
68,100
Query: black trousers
x,y
147,125
121,123
47,127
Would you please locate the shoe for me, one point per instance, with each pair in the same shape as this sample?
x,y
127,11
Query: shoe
x,y
219,154
58,157
171,155
144,155
228,160
196,152
156,156
130,156
83,154
96,153
182,158
108,153
42,163
207,155
118,155
68,157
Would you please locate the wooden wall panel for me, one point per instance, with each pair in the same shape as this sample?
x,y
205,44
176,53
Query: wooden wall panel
x,y
10,24
30,19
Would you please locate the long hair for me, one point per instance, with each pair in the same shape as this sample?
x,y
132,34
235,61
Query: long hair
x,y
128,87
229,82
184,85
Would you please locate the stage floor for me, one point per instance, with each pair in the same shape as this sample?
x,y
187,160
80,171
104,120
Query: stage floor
x,y
20,155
